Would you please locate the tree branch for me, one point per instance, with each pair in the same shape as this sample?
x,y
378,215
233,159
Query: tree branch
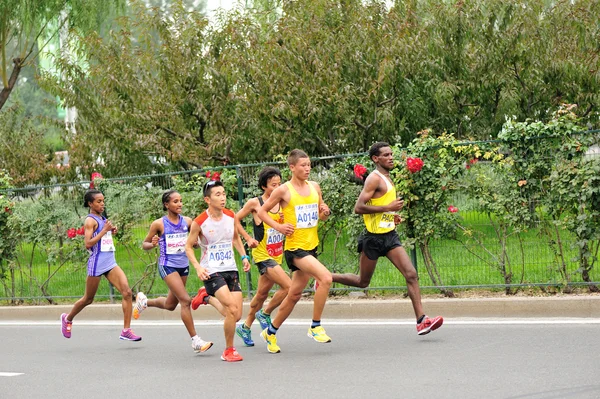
x,y
18,65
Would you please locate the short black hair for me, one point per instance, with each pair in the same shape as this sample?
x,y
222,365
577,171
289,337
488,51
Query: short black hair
x,y
208,186
167,197
266,174
295,155
89,197
376,149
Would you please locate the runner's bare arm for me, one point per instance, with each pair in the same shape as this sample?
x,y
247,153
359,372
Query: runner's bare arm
x,y
188,221
279,196
239,247
192,239
252,243
151,240
324,210
90,226
368,191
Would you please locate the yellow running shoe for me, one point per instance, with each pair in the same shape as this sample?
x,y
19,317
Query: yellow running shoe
x,y
318,334
271,340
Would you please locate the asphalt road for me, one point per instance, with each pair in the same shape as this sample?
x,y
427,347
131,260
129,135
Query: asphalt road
x,y
467,360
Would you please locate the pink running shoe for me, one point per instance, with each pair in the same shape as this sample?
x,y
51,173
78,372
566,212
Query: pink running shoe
x,y
66,325
231,355
199,298
128,335
428,325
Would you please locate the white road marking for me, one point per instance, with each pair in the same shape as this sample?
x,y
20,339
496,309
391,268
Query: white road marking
x,y
332,322
4,374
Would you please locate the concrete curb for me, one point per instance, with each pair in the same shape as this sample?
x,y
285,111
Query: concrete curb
x,y
521,307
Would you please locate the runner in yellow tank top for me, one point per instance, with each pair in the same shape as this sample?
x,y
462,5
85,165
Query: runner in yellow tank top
x,y
378,204
267,254
303,207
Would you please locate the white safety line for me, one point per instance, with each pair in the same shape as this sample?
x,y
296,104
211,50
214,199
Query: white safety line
x,y
4,374
296,322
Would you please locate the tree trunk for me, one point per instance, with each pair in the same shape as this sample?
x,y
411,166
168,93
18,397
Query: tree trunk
x,y
432,269
5,93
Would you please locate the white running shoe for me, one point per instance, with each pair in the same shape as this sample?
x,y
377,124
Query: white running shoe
x,y
141,303
199,345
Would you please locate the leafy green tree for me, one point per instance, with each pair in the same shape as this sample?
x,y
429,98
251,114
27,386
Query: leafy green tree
x,y
326,76
23,22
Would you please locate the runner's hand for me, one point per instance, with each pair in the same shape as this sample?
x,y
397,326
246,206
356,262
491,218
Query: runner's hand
x,y
246,264
397,219
396,205
108,226
324,209
286,229
202,273
252,243
155,240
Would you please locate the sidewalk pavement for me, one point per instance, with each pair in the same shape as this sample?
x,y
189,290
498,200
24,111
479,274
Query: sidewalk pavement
x,y
576,306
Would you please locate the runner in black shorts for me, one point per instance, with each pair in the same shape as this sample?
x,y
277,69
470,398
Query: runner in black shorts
x,y
377,245
267,253
378,204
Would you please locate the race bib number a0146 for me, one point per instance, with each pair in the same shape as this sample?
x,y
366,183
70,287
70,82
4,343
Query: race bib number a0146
x,y
307,216
175,243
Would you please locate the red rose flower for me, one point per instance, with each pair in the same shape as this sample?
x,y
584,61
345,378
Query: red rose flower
x,y
81,231
359,171
71,233
452,209
208,174
414,165
95,175
216,176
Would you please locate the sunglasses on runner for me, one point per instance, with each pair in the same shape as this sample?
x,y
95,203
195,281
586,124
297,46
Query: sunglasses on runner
x,y
210,184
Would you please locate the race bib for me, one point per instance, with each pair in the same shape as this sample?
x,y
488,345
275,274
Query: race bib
x,y
175,243
307,216
220,255
387,220
106,243
274,243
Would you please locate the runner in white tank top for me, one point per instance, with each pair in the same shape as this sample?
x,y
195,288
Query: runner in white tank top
x,y
216,229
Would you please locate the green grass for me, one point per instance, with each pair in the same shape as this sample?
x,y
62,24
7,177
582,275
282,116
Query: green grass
x,y
456,265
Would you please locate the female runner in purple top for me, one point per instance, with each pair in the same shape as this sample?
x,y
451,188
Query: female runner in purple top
x,y
98,241
169,234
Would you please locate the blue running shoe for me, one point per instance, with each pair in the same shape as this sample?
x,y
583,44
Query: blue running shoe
x,y
263,318
245,335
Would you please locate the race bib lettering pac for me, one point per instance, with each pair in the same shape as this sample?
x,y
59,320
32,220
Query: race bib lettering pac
x,y
307,216
220,255
175,243
274,242
106,243
387,220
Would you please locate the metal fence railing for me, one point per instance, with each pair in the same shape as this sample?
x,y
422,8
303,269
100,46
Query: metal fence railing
x,y
41,272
